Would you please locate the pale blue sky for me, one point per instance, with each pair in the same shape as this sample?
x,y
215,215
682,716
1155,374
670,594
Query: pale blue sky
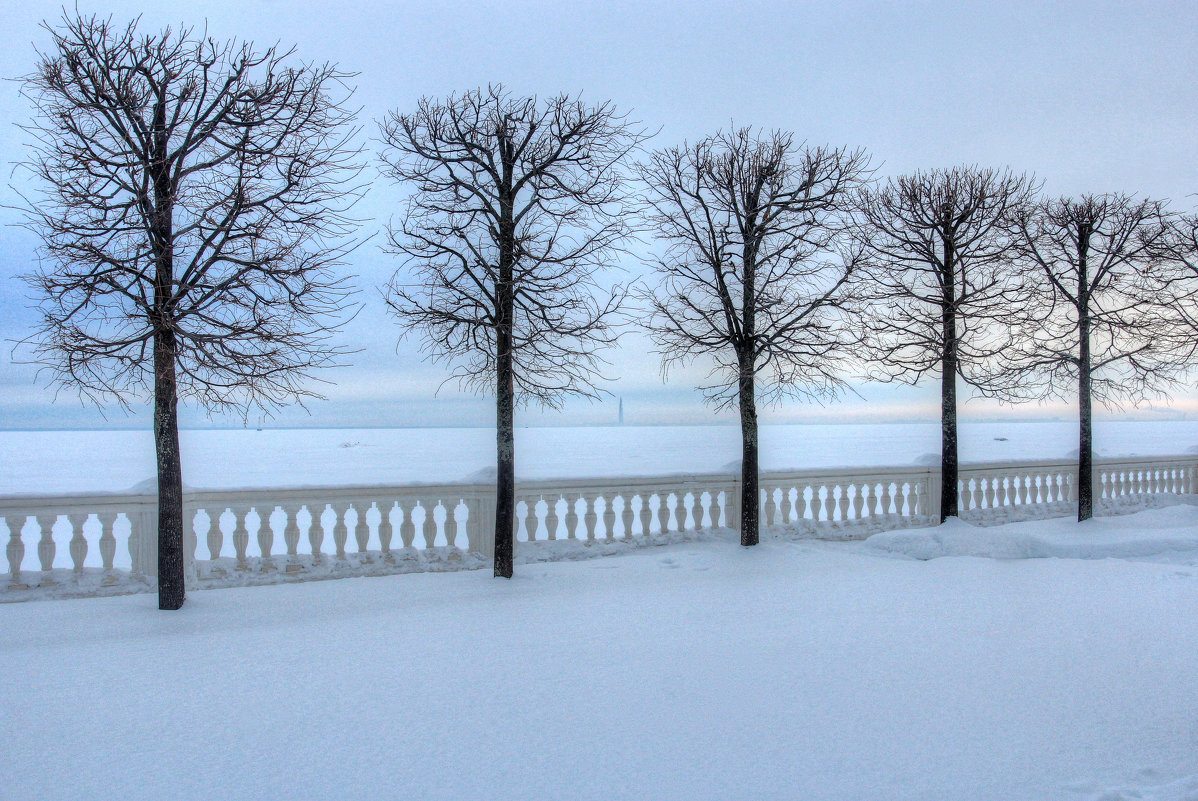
x,y
1091,97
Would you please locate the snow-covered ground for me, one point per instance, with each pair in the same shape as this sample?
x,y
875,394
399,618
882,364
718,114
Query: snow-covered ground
x,y
88,461
699,670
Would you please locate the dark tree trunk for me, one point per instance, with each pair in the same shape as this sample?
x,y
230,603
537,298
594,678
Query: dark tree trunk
x,y
171,588
505,452
171,580
1085,466
948,390
749,490
505,393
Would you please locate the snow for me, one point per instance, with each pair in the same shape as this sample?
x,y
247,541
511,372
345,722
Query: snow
x,y
693,670
110,461
1156,531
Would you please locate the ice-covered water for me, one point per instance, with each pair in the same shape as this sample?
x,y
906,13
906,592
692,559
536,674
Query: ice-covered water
x,y
88,461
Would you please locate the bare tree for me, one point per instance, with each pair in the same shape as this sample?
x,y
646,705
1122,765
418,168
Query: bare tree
x,y
192,209
750,279
516,207
1104,326
936,276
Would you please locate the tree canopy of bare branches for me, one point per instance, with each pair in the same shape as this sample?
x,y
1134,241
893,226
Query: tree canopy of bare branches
x,y
751,278
936,277
1103,325
192,205
517,206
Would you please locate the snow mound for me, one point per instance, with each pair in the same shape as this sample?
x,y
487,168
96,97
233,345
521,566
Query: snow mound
x,y
487,475
731,467
928,459
1147,533
1184,789
150,486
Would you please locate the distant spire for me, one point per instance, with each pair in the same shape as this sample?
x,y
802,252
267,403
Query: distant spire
x,y
621,411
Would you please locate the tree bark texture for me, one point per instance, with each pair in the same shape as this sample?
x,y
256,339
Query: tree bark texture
x,y
948,390
749,490
171,581
1085,466
505,393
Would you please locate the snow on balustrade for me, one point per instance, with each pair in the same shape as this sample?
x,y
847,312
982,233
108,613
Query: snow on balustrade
x,y
81,545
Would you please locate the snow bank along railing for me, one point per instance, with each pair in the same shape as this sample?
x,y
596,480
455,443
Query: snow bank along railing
x,y
270,535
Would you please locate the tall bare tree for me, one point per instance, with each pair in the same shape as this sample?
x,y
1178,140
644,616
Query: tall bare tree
x,y
751,279
935,278
517,205
1104,326
192,205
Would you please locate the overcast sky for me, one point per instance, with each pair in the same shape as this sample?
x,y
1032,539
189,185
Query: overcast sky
x,y
1091,97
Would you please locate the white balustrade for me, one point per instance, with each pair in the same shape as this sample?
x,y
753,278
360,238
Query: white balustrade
x,y
586,510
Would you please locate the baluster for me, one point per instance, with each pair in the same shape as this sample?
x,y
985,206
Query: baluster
x,y
988,490
407,528
643,514
428,526
455,525
1000,491
241,535
767,505
361,533
215,539
291,536
859,492
107,545
590,517
46,548
266,542
551,519
789,504
626,513
316,533
842,502
663,511
340,530
1071,485
609,516
386,532
817,503
687,504
78,544
15,551
572,517
731,504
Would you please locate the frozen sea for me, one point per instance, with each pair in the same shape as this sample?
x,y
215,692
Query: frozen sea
x,y
98,461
